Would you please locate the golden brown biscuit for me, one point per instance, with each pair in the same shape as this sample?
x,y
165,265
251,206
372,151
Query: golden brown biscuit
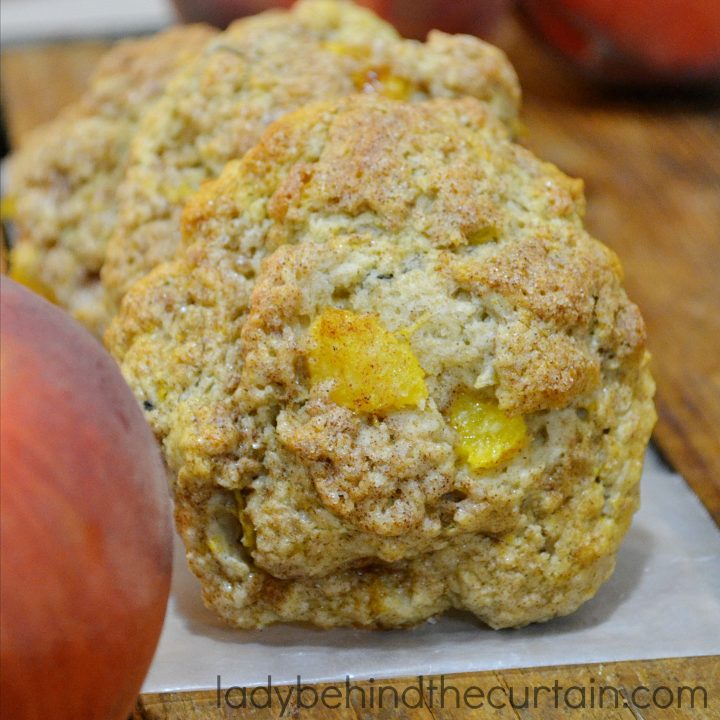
x,y
65,176
392,374
259,69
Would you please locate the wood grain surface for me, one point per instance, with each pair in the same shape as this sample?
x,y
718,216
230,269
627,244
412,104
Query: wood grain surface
x,y
643,689
651,164
36,81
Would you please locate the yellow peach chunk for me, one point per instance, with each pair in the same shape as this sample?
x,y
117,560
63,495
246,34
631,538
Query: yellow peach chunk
x,y
486,435
371,369
358,52
382,82
8,208
372,79
24,267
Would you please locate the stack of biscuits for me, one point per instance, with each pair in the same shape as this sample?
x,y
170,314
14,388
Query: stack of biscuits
x,y
390,371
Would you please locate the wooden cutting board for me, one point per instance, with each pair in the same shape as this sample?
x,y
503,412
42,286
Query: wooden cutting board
x,y
635,683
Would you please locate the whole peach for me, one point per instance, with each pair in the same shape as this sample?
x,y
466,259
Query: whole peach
x,y
86,532
413,18
646,41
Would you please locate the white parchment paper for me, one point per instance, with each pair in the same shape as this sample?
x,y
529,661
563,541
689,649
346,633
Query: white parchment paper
x,y
662,601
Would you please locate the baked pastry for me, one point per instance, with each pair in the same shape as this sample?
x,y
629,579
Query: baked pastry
x,y
65,176
392,374
259,69
85,200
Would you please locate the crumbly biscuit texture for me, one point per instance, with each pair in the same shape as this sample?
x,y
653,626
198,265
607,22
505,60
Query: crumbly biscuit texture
x,y
259,69
65,176
299,503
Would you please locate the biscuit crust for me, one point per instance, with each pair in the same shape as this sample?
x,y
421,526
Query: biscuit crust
x,y
65,176
429,218
259,69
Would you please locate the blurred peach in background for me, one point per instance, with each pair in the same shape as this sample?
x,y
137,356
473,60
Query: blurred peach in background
x,y
413,18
